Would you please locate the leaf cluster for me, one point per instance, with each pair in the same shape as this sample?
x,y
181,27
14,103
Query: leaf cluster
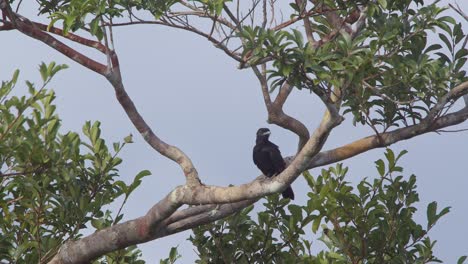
x,y
52,185
386,75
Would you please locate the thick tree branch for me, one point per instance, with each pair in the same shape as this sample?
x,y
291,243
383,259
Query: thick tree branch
x,y
263,85
195,220
116,237
139,230
429,124
386,139
283,94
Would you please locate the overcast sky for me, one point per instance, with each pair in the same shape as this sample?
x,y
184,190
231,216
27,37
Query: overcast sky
x,y
194,97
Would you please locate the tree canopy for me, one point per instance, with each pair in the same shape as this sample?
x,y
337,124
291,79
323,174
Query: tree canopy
x,y
371,62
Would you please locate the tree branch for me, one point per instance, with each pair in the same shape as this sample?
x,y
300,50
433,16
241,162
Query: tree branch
x,y
217,213
116,237
275,111
307,25
73,37
305,15
140,124
429,124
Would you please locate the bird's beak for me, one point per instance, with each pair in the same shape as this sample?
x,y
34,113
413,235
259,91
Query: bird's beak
x,y
266,133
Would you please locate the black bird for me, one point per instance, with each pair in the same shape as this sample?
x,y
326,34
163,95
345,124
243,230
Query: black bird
x,y
267,157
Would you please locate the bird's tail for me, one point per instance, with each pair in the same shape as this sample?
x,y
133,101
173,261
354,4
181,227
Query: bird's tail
x,y
288,193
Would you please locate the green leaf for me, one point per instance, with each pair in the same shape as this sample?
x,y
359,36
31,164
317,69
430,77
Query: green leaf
x,y
461,53
97,223
380,167
316,224
43,71
448,19
447,42
444,211
142,174
390,157
462,259
128,139
309,178
296,212
23,248
433,47
431,214
116,146
337,256
173,254
15,76
137,181
95,131
401,154
383,3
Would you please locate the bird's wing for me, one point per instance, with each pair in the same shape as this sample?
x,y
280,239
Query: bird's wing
x,y
276,158
255,155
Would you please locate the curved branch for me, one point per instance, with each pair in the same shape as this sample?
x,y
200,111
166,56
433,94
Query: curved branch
x,y
278,117
386,139
275,111
145,130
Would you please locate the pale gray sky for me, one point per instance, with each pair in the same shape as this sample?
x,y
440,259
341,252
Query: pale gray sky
x,y
194,97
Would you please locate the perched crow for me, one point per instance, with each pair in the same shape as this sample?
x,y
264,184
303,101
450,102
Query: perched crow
x,y
267,157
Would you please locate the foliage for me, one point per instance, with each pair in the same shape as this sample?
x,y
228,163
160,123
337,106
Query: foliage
x,y
53,185
370,223
387,73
